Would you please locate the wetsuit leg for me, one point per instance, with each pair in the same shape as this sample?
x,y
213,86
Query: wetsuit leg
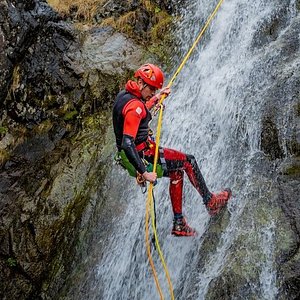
x,y
177,162
175,189
196,178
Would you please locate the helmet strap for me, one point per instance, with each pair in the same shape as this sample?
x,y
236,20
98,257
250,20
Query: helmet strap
x,y
143,86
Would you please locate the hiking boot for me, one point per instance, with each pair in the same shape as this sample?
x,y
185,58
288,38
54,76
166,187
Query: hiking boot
x,y
181,228
218,201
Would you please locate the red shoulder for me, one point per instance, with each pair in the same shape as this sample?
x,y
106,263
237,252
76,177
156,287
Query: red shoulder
x,y
135,106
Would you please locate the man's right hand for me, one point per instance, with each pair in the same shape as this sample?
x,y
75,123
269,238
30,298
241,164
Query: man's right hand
x,y
164,90
150,176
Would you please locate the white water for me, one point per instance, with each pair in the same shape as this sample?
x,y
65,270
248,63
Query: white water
x,y
214,113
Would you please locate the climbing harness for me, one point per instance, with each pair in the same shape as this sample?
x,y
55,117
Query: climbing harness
x,y
122,160
150,202
141,181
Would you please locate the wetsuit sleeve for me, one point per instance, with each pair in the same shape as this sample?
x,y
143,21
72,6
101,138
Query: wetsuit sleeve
x,y
133,113
153,101
132,154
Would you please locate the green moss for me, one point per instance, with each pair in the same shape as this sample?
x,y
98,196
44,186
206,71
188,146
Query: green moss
x,y
93,122
4,156
162,26
70,115
293,170
11,262
162,40
15,78
157,10
3,130
128,29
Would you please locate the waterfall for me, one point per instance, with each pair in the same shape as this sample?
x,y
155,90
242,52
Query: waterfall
x,y
215,112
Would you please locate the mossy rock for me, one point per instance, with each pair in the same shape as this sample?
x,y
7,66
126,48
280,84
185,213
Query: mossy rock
x,y
4,156
297,106
293,170
71,115
3,130
11,262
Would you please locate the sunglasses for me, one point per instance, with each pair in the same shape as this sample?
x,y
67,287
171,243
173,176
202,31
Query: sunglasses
x,y
152,88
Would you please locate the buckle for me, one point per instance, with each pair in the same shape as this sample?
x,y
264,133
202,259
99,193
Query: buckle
x,y
142,146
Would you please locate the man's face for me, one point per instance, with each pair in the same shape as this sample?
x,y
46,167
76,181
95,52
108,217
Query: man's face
x,y
147,91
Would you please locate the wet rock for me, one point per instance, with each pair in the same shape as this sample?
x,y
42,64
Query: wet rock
x,y
289,270
43,196
7,140
269,139
107,50
51,84
35,148
18,32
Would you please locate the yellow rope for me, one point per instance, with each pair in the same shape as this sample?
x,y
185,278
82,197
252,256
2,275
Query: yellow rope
x,y
149,203
149,251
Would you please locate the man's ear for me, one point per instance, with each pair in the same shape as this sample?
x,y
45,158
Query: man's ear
x,y
140,83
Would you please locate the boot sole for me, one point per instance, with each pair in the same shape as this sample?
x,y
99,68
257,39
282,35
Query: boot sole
x,y
180,233
216,211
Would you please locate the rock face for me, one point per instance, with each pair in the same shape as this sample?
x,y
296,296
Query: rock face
x,y
281,142
23,37
39,48
56,91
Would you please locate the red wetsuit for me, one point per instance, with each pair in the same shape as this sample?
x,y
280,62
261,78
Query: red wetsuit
x,y
131,117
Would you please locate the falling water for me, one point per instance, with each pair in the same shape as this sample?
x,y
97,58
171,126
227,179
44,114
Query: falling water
x,y
214,113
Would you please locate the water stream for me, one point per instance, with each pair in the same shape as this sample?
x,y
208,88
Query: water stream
x,y
214,113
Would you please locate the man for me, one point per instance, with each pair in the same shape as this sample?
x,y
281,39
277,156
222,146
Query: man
x,y
131,117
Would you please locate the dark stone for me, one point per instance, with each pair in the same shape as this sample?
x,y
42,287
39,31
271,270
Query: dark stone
x,y
226,287
57,133
35,148
171,6
36,45
269,139
289,270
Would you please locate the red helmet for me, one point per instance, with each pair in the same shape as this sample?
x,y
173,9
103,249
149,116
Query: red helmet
x,y
151,74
